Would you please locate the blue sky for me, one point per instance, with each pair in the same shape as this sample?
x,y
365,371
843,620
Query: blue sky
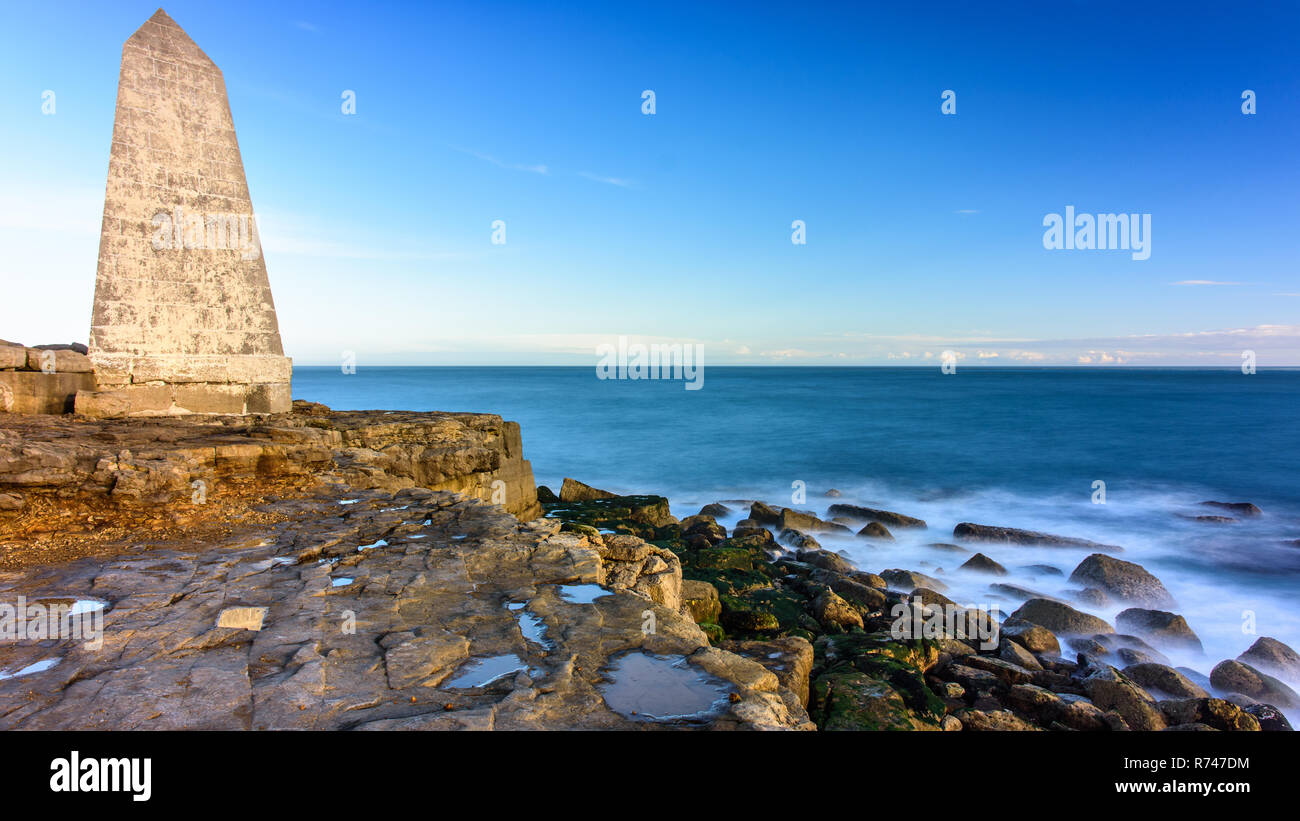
x,y
924,231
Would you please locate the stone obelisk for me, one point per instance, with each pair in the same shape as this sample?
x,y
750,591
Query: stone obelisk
x,y
183,320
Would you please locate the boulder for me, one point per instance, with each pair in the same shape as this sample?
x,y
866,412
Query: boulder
x,y
870,514
875,530
1061,618
993,721
1159,626
979,563
701,601
1012,535
850,700
716,509
1109,689
826,560
1034,638
1164,679
797,540
833,612
1125,581
1014,653
763,514
1274,657
1212,712
910,580
1269,717
1236,677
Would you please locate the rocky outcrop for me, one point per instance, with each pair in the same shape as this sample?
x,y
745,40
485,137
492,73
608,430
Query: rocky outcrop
x,y
409,610
574,491
83,481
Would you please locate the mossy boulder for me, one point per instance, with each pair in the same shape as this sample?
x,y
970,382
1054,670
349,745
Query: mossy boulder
x,y
846,699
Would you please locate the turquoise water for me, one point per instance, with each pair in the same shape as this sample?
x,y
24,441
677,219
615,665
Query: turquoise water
x,y
1019,447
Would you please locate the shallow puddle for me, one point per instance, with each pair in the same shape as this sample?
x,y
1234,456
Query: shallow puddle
x,y
478,672
38,667
647,687
341,581
380,543
582,593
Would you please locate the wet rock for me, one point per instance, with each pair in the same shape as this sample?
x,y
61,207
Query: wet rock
x,y
1236,677
791,519
796,540
1159,626
1011,535
1033,637
910,580
833,612
1273,657
875,530
715,510
979,563
864,597
764,514
1060,618
869,514
1109,689
947,547
1159,678
850,700
1091,596
1004,671
1212,712
1125,581
1015,654
700,599
826,560
789,658
993,721
1269,717
1239,508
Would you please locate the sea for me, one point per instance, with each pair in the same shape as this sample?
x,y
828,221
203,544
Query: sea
x,y
1122,456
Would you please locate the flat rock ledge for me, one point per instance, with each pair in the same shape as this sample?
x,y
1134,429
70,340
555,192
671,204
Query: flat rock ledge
x,y
372,610
68,482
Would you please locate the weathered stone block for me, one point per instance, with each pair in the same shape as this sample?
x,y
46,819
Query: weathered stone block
x,y
35,392
209,398
12,356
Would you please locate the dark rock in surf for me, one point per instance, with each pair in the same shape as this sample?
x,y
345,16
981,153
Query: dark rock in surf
x,y
1159,626
871,514
875,530
979,563
1125,581
1012,535
1240,508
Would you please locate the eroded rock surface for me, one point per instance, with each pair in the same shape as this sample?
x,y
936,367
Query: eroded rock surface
x,y
410,610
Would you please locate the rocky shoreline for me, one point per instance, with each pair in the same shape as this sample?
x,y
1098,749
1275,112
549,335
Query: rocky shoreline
x,y
381,570
769,585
